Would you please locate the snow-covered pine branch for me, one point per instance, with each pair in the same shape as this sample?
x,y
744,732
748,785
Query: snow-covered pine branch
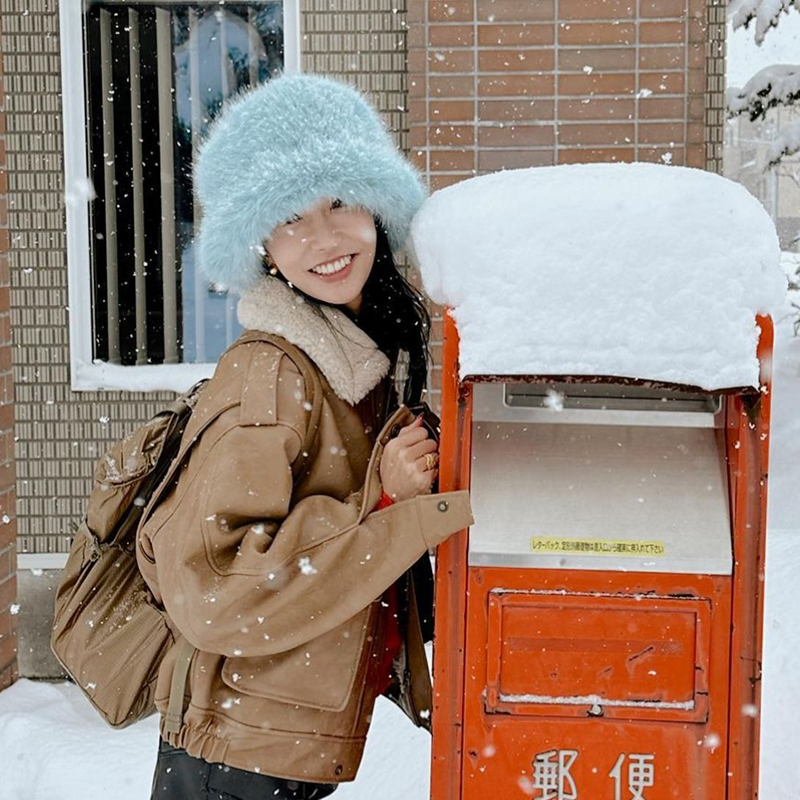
x,y
790,262
766,14
786,143
772,86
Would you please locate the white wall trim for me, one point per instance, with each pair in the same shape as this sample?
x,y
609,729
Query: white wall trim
x,y
86,374
75,182
292,48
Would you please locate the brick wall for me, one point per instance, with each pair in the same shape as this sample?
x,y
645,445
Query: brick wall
x,y
8,524
505,84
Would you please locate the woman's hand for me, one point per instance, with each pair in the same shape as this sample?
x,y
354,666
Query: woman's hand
x,y
404,468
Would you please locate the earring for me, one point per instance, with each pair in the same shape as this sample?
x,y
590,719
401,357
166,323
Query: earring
x,y
270,265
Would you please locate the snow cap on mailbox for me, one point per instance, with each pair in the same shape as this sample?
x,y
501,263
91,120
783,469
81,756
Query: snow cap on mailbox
x,y
627,270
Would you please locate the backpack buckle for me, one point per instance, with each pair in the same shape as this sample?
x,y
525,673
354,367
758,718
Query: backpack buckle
x,y
91,544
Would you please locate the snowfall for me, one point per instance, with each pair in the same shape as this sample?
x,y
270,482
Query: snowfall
x,y
53,746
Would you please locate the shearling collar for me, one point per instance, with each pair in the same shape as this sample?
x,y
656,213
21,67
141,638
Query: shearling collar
x,y
350,360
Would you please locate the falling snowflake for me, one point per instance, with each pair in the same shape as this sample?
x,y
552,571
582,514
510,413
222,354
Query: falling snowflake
x,y
711,741
305,566
80,191
554,400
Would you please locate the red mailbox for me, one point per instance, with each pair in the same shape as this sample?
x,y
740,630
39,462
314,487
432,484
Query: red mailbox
x,y
598,630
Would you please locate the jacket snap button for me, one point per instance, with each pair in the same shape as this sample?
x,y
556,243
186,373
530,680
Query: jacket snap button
x,y
442,505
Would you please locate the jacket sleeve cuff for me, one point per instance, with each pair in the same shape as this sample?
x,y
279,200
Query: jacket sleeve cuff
x,y
441,515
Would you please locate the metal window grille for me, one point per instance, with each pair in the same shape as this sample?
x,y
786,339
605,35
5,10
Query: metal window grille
x,y
157,74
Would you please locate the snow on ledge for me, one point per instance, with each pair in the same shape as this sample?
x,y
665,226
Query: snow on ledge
x,y
631,270
102,376
594,700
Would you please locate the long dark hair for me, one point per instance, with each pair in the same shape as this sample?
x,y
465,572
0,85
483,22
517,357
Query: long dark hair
x,y
393,314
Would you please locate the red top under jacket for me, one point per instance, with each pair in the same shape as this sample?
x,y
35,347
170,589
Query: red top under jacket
x,y
394,639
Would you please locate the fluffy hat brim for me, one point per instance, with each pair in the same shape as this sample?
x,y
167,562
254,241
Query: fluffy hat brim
x,y
279,148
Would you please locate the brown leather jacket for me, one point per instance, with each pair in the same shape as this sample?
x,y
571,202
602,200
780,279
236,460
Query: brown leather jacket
x,y
279,583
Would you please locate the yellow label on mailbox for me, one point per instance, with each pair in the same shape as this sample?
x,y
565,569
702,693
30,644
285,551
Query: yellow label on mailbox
x,y
596,547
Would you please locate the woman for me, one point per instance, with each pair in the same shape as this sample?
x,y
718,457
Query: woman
x,y
291,553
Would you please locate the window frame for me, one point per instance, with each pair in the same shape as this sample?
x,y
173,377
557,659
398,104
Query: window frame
x,y
85,373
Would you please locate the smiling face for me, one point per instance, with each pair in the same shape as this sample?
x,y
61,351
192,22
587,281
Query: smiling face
x,y
328,252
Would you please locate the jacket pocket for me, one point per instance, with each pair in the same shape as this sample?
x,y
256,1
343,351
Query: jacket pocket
x,y
319,674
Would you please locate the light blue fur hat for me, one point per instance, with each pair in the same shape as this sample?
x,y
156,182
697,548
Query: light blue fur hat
x,y
275,151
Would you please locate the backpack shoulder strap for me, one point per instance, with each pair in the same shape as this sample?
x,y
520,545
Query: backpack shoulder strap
x,y
184,651
311,382
314,397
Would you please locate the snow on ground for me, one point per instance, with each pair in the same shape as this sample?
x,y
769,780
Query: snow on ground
x,y
54,746
657,272
780,737
784,477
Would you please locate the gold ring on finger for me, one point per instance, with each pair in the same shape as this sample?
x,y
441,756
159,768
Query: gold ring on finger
x,y
430,460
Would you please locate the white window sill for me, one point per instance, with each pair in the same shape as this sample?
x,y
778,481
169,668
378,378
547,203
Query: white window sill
x,y
101,376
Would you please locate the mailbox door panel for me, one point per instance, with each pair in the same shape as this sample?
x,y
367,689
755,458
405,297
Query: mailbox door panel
x,y
595,685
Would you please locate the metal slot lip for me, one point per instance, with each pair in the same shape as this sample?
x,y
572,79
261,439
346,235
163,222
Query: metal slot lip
x,y
595,404
606,396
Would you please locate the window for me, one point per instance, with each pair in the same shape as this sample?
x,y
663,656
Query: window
x,y
142,82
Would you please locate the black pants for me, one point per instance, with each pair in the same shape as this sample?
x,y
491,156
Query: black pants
x,y
179,776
